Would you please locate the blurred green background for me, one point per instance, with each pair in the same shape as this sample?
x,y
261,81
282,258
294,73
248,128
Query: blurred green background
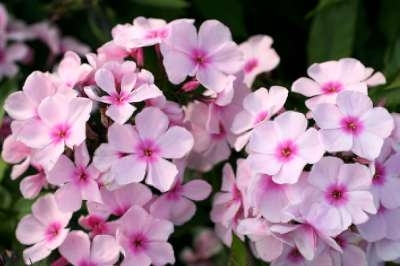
x,y
304,32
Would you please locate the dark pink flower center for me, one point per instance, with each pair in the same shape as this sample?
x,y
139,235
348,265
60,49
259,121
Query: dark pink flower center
x,y
148,150
138,242
81,176
97,225
351,125
87,263
221,134
119,98
336,195
120,210
60,133
286,150
53,230
332,87
250,65
200,58
341,242
236,194
269,184
261,117
2,56
379,177
175,193
295,256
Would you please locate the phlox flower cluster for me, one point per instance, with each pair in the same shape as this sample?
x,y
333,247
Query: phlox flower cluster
x,y
14,49
117,153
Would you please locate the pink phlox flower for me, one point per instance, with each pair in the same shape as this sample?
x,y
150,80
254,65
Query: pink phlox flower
x,y
44,229
79,250
76,180
68,43
266,245
61,123
10,54
143,239
383,250
352,250
259,57
17,153
188,53
291,256
282,147
120,93
135,153
142,32
30,186
353,125
176,205
332,77
343,189
172,109
258,106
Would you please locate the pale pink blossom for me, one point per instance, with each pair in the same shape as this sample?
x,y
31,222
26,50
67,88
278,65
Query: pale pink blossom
x,y
17,153
259,57
383,250
121,96
352,251
331,77
76,180
30,186
135,153
283,147
343,189
210,55
143,239
258,106
79,250
142,32
10,54
44,229
291,256
61,123
353,124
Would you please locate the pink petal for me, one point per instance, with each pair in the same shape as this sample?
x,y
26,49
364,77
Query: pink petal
x,y
35,253
123,138
120,113
243,121
137,215
208,40
367,145
327,116
90,191
266,164
128,82
29,230
79,110
105,250
176,142
53,110
212,79
81,155
19,106
391,197
68,198
31,186
46,210
142,194
306,242
336,140
182,36
325,172
62,172
34,134
306,86
105,80
353,103
228,178
269,248
360,202
161,174
292,124
145,92
48,156
378,121
197,190
160,253
264,138
151,123
76,247
128,169
38,86
310,146
355,176
182,211
353,66
140,259
177,65
290,172
228,59
105,156
324,72
388,249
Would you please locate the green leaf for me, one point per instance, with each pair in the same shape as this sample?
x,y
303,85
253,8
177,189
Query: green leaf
x,y
163,3
322,4
3,168
332,32
392,60
238,256
5,199
389,23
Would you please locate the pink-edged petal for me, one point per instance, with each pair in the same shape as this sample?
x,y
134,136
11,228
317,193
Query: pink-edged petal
x,y
310,146
353,103
182,211
367,145
277,98
353,66
19,106
161,253
264,138
151,123
228,59
269,248
68,198
38,86
266,164
324,173
120,113
161,206
176,142
135,214
34,134
306,86
292,124
62,172
327,116
81,155
105,250
54,110
105,156
36,253
182,36
128,82
290,172
213,35
177,65
90,191
48,156
79,110
30,230
161,174
31,185
355,176
305,241
378,121
336,140
243,121
139,259
197,190
212,79
228,178
128,169
123,138
376,79
76,247
77,136
324,72
353,255
105,80
142,194
145,92
91,92
46,210
360,202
